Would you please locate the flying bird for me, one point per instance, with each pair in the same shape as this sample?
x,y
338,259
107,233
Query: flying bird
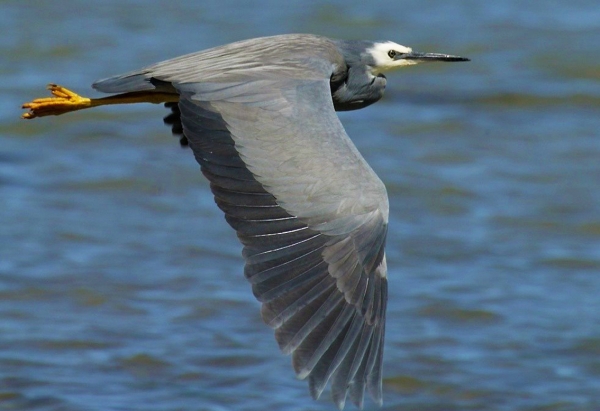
x,y
259,116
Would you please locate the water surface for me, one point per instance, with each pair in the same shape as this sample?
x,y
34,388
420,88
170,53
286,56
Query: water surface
x,y
121,285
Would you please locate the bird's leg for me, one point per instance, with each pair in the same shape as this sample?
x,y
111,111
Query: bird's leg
x,y
65,101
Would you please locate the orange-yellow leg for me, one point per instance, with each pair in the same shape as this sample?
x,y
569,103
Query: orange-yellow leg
x,y
65,101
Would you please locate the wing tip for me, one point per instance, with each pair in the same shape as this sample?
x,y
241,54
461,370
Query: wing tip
x,y
315,389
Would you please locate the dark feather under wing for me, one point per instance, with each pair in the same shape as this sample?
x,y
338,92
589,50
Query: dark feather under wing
x,y
174,120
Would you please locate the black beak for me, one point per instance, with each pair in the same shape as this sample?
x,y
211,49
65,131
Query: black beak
x,y
429,57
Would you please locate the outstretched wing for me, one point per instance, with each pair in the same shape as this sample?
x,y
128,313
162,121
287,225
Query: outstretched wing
x,y
312,216
310,212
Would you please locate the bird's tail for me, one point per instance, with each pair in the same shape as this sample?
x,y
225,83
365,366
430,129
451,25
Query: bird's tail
x,y
140,80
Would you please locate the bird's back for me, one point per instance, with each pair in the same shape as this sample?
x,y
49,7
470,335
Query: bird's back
x,y
287,56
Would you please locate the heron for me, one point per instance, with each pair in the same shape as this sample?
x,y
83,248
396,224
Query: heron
x,y
260,118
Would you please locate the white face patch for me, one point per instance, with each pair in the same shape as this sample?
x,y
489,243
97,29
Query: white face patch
x,y
383,62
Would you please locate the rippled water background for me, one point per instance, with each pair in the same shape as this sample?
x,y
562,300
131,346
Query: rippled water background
x,y
121,285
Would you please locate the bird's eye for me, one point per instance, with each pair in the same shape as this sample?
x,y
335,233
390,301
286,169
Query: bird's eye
x,y
392,54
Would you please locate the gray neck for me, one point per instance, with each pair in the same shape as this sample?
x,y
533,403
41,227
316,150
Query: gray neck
x,y
354,87
355,51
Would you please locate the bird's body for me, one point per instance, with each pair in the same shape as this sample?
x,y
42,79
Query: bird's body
x,y
259,116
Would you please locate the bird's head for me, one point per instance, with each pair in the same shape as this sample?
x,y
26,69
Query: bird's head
x,y
385,56
361,82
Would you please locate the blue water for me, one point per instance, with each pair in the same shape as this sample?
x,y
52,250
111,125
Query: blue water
x,y
121,285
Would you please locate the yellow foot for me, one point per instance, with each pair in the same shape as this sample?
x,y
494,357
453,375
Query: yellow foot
x,y
64,101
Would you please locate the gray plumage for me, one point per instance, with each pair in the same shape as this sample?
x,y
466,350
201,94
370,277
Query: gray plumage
x,y
311,214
